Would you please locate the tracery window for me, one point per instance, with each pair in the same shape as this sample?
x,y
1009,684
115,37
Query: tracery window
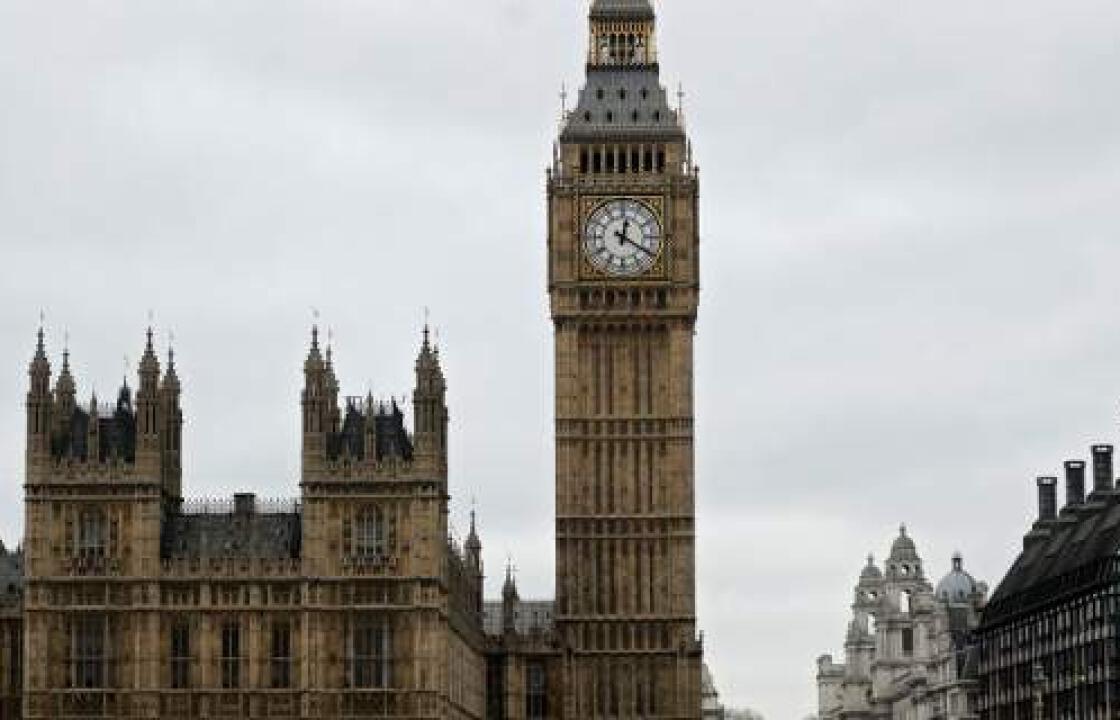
x,y
91,533
180,656
87,651
369,533
231,655
371,653
536,692
280,660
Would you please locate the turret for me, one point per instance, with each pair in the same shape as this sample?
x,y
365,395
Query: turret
x,y
147,414
316,405
39,407
509,603
93,432
429,401
64,412
622,34
171,434
474,563
65,390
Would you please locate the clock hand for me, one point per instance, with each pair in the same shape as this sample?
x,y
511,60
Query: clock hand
x,y
638,245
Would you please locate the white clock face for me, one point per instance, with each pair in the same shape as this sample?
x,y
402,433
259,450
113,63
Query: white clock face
x,y
622,238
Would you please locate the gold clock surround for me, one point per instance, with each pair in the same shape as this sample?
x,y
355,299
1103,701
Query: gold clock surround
x,y
656,204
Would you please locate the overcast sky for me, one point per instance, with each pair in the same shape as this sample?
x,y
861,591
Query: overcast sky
x,y
910,216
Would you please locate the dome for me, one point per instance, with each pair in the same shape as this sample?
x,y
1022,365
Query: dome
x,y
957,586
870,572
903,547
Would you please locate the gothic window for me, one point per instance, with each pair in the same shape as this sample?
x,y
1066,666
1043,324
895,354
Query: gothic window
x,y
91,533
536,692
369,533
280,659
231,655
180,656
15,657
904,602
87,644
371,654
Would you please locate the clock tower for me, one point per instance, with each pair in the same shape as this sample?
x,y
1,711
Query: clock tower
x,y
623,249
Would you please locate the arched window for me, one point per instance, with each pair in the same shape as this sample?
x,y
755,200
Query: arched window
x,y
369,533
91,533
904,602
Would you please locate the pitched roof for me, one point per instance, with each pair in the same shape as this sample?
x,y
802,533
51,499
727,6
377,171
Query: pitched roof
x,y
1061,558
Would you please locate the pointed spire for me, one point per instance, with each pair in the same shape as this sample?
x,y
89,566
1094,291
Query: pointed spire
x,y
474,545
314,362
40,368
149,364
65,386
171,378
509,588
40,357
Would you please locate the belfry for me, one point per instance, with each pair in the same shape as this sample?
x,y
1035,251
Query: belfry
x,y
623,248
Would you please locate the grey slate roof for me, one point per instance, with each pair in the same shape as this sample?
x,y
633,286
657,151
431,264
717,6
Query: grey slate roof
x,y
274,536
622,102
1079,553
11,576
622,9
529,616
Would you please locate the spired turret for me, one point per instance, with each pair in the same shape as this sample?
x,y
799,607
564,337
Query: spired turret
x,y
171,434
39,406
317,399
147,413
429,402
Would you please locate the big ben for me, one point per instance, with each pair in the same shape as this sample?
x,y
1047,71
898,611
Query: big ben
x,y
623,248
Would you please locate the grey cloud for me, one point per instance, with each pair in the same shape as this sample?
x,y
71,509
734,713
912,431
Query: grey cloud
x,y
909,226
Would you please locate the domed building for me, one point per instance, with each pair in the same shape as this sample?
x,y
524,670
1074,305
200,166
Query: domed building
x,y
908,654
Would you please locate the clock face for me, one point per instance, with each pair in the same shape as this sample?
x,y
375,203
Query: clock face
x,y
622,238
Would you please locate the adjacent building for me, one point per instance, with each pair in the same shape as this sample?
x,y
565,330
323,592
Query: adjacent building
x,y
1048,641
908,654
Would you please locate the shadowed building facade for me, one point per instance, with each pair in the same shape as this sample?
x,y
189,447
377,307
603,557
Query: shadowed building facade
x,y
1049,637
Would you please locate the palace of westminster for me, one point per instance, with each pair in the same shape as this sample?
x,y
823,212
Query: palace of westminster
x,y
127,600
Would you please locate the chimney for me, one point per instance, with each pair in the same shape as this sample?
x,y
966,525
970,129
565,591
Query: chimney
x,y
1047,498
244,504
1102,468
1075,482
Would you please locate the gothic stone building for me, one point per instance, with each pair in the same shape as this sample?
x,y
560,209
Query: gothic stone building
x,y
909,653
352,601
1048,640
